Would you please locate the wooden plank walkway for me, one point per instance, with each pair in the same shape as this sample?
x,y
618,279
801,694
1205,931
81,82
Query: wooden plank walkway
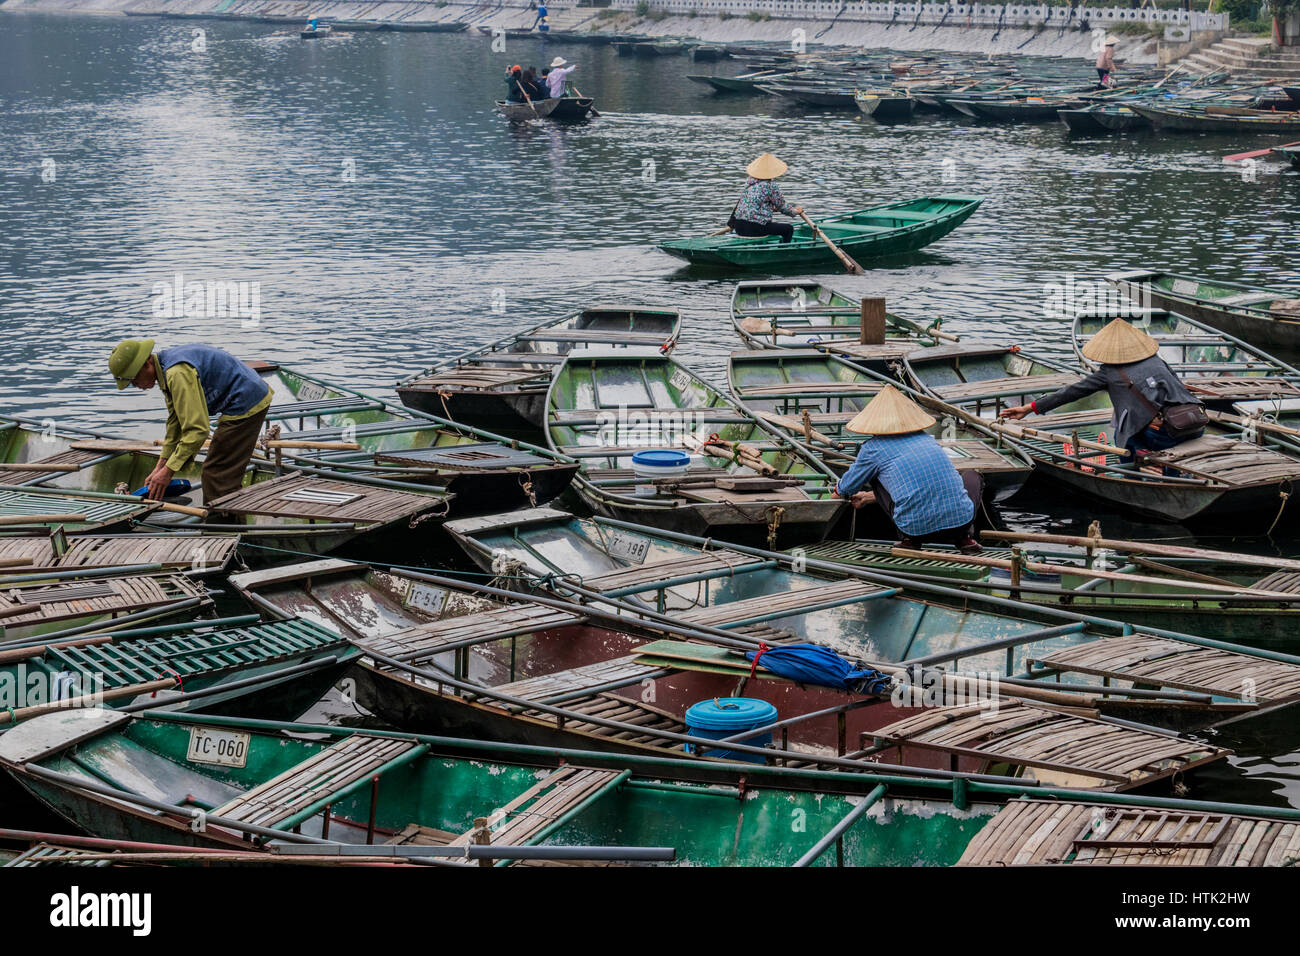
x,y
523,819
1163,662
425,640
324,774
1037,833
1117,756
302,496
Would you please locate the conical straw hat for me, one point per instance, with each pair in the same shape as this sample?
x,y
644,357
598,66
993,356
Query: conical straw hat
x,y
1119,343
766,166
890,413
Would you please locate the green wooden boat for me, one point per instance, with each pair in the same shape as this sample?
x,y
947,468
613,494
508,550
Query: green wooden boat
x,y
275,670
802,314
1212,119
743,481
1222,480
1267,318
1144,584
309,510
503,385
1290,153
810,396
489,664
215,782
876,232
480,470
880,619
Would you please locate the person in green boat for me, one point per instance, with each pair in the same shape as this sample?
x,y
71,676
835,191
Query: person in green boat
x,y
761,198
1153,410
198,381
914,481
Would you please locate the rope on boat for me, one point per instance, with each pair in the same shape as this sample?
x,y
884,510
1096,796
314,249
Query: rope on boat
x,y
774,515
1285,496
526,483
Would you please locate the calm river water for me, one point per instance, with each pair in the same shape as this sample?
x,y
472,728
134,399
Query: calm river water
x,y
388,216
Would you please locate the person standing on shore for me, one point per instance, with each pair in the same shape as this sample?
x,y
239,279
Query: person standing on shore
x,y
1106,62
762,197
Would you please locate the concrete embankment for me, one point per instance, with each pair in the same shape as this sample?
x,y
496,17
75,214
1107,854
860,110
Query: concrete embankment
x,y
964,34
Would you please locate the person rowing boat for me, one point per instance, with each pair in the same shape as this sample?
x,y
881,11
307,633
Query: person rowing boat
x,y
762,197
1153,410
914,481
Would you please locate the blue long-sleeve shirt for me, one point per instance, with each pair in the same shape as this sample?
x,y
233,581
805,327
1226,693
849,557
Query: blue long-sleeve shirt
x,y
914,469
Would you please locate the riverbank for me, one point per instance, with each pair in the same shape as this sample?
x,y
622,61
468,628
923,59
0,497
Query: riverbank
x,y
975,30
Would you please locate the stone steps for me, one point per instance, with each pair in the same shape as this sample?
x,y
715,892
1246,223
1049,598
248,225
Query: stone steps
x,y
1246,56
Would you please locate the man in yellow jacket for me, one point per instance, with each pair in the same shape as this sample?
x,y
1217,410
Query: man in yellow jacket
x,y
197,382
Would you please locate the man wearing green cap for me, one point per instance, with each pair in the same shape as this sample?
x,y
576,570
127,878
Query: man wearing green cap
x,y
197,382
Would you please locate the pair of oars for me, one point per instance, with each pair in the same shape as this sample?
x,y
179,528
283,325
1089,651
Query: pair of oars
x,y
850,264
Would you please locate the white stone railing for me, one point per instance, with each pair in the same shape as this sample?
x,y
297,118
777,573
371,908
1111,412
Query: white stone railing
x,y
961,14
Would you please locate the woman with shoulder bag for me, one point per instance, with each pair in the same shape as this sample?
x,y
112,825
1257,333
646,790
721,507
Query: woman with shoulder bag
x,y
1153,410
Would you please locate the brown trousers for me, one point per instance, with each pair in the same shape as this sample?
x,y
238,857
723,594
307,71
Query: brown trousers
x,y
228,456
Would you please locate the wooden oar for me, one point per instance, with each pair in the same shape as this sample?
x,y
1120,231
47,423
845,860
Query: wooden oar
x,y
1145,547
849,265
594,111
1237,157
527,99
1024,431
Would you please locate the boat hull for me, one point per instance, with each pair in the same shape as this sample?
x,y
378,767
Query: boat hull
x,y
1263,332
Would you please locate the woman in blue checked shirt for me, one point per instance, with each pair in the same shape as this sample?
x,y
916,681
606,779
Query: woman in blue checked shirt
x,y
753,214
914,482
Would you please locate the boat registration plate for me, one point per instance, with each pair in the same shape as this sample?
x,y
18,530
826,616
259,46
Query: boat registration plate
x,y
224,747
680,379
426,598
628,547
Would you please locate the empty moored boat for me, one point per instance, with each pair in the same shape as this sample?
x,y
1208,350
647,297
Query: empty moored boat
x,y
502,386
733,476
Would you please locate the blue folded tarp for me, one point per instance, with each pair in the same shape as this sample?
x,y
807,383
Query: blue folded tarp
x,y
814,664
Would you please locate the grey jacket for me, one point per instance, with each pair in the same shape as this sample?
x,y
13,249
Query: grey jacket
x,y
1151,376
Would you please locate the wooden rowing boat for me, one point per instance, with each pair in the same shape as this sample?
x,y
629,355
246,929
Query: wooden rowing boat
x,y
522,112
1221,478
885,621
309,510
885,107
744,480
481,471
810,396
273,670
746,83
1205,120
403,796
1028,109
502,385
1189,589
876,232
798,314
449,659
1267,318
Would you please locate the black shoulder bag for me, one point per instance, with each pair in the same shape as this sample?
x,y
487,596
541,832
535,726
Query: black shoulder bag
x,y
1178,420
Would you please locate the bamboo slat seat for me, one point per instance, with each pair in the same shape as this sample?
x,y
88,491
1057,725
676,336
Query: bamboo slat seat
x,y
522,820
71,457
653,573
541,688
1012,385
782,604
425,640
302,496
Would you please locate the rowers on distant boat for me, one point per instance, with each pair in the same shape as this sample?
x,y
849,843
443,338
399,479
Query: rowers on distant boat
x,y
914,481
197,382
534,87
558,76
515,89
1153,410
761,198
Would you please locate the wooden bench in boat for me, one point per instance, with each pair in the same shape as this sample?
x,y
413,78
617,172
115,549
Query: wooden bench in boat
x,y
768,607
303,496
760,492
812,389
650,722
321,406
93,512
627,451
1246,298
327,776
1066,745
1241,388
979,456
1068,421
1037,833
1287,582
1227,461
641,418
603,675
423,641
72,459
98,551
687,567
1153,661
895,349
480,377
416,835
1011,385
530,817
598,337
477,457
72,599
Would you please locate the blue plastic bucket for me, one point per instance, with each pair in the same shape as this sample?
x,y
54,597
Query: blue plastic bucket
x,y
176,487
722,717
658,463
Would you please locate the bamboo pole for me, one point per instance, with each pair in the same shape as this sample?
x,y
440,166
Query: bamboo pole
x,y
16,562
1255,422
26,653
38,467
38,519
1041,568
1144,547
85,700
794,425
1024,431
